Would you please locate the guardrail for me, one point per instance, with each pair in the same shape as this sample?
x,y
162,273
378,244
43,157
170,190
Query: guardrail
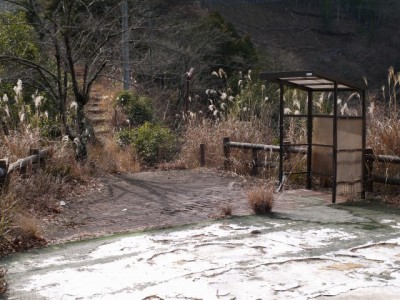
x,y
36,158
370,159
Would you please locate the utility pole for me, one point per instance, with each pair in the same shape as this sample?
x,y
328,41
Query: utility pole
x,y
125,46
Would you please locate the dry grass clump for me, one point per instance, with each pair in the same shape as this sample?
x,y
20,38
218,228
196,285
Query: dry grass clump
x,y
7,208
26,229
18,229
111,158
39,191
384,122
62,167
17,144
3,282
226,210
211,133
261,199
383,134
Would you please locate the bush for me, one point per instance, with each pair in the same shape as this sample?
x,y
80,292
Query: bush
x,y
126,137
153,143
139,109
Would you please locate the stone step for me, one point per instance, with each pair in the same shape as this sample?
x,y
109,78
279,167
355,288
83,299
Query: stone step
x,y
99,114
97,121
103,131
95,110
93,104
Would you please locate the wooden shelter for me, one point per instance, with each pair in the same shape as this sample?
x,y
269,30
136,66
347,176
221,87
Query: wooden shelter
x,y
335,140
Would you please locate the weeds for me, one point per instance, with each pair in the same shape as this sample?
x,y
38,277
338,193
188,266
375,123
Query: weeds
x,y
7,209
211,133
384,123
226,210
26,228
111,158
3,282
261,199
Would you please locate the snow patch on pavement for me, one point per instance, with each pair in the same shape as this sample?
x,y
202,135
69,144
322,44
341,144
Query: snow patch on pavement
x,y
219,261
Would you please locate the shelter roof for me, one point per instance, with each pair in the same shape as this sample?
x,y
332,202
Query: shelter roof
x,y
310,81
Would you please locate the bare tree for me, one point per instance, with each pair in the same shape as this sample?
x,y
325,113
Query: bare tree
x,y
81,40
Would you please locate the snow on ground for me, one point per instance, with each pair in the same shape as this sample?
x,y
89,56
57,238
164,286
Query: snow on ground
x,y
218,261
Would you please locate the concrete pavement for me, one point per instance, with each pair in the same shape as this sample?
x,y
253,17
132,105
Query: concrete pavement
x,y
305,250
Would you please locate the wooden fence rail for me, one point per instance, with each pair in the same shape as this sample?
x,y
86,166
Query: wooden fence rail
x,y
36,157
255,163
386,159
370,159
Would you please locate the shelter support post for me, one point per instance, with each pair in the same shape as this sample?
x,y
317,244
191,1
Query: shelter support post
x,y
335,142
281,131
369,170
309,139
364,143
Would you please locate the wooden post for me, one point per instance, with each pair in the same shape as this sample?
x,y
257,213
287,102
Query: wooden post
x,y
3,172
286,146
5,128
369,170
202,155
35,151
254,162
227,152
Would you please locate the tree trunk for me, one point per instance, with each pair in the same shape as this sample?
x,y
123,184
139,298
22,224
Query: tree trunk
x,y
81,141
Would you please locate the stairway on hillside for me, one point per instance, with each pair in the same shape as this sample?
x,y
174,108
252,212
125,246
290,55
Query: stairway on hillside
x,y
99,113
98,110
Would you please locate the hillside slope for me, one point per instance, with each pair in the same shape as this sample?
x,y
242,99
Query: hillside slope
x,y
292,35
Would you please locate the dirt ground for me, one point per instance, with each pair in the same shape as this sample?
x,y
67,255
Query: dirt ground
x,y
134,202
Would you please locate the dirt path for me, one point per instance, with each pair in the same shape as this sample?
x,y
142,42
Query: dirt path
x,y
146,200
